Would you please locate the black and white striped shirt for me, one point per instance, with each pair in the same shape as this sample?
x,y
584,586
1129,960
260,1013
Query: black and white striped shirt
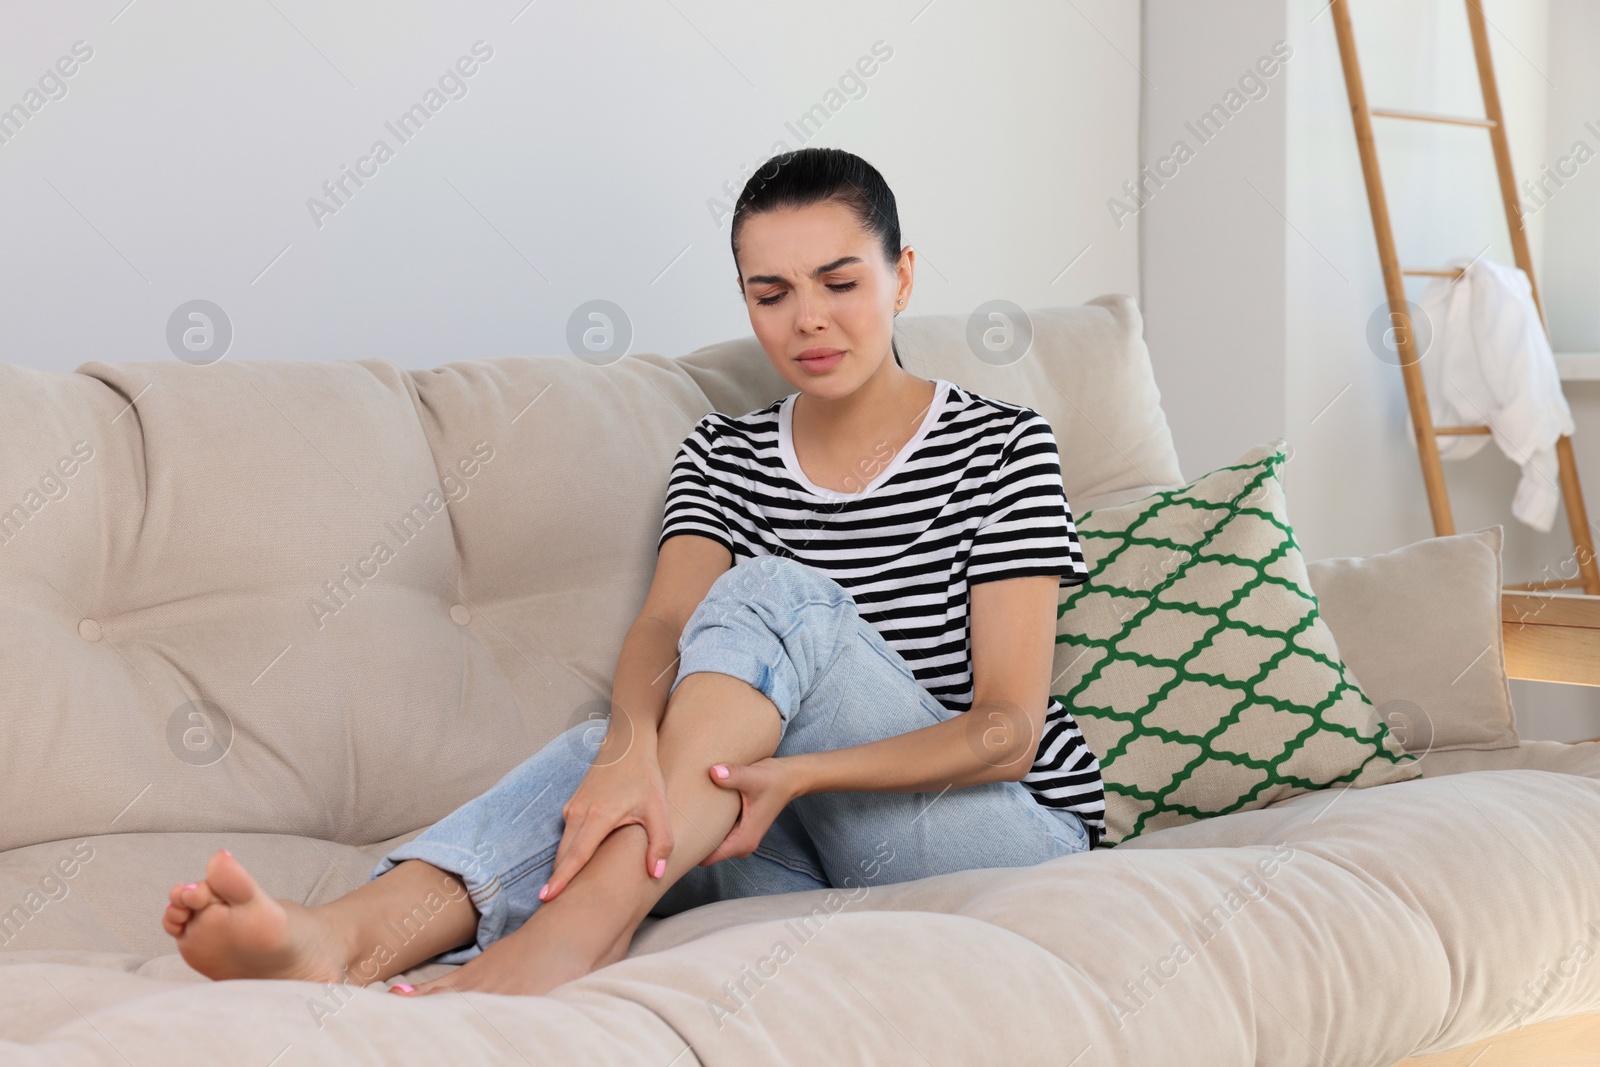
x,y
974,496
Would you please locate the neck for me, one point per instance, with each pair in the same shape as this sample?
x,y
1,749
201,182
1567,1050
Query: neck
x,y
872,407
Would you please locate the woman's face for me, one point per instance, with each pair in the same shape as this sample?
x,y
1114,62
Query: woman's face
x,y
815,281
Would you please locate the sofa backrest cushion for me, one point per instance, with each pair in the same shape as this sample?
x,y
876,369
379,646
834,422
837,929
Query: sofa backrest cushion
x,y
340,599
1087,371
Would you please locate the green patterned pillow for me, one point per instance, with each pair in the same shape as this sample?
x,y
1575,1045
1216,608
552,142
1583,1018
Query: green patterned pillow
x,y
1197,664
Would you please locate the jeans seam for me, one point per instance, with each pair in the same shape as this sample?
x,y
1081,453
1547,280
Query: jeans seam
x,y
521,870
1052,820
781,861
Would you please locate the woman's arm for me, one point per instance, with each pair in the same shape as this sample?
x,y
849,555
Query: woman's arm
x,y
646,668
1013,624
647,665
995,740
624,783
991,742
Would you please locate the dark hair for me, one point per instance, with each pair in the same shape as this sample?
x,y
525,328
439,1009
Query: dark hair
x,y
809,176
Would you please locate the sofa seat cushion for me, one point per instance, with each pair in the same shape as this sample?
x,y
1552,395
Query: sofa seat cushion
x,y
1255,936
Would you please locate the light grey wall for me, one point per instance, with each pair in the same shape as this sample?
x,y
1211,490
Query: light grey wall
x,y
581,160
1566,186
1212,249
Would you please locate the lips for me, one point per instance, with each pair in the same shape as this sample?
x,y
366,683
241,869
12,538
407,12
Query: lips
x,y
820,360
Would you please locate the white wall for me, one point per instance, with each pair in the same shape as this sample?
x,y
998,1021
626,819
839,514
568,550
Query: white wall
x,y
1568,193
1260,314
1569,280
578,165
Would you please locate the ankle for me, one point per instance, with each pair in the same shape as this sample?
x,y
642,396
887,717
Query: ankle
x,y
358,957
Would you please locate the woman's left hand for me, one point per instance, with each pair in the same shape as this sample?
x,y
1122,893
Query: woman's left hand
x,y
765,789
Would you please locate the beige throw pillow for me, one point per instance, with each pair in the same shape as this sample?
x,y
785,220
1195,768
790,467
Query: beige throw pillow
x,y
1197,664
1420,628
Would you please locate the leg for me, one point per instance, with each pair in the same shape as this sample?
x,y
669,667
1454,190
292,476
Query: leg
x,y
795,634
777,659
445,892
226,926
869,693
710,718
786,861
471,879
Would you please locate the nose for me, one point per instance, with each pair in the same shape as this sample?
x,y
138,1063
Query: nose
x,y
810,314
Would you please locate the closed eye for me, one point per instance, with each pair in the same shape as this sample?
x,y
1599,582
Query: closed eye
x,y
844,287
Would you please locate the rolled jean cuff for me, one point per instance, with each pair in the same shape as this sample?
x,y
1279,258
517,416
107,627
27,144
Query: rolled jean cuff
x,y
778,683
484,889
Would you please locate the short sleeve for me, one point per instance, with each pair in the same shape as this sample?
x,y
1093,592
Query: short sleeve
x,y
691,506
1027,528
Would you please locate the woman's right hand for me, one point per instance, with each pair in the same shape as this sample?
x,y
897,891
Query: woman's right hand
x,y
615,792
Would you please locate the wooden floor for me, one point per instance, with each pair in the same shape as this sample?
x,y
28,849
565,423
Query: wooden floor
x,y
1569,1042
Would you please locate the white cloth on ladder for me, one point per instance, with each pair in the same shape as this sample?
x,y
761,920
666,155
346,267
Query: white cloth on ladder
x,y
1489,364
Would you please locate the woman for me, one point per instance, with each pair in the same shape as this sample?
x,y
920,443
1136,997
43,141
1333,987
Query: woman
x,y
839,676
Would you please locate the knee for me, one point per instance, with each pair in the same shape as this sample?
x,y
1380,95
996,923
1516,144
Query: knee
x,y
774,594
778,580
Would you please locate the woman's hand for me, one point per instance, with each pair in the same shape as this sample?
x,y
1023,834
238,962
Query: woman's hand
x,y
614,793
765,788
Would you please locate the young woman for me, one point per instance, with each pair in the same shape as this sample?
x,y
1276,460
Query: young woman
x,y
839,677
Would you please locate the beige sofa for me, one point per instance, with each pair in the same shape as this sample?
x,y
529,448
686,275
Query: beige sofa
x,y
204,647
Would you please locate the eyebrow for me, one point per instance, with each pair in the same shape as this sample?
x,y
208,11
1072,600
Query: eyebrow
x,y
826,268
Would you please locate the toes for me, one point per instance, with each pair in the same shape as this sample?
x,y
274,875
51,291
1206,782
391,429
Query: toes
x,y
228,879
196,896
174,919
437,985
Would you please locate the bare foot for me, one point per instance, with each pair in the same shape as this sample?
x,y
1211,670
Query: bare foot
x,y
227,927
527,962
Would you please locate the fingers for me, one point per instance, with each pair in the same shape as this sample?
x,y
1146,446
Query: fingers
x,y
658,829
577,846
733,846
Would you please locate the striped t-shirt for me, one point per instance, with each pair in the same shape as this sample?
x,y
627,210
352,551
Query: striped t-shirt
x,y
974,496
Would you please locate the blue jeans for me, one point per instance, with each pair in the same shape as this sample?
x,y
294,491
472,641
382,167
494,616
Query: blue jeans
x,y
795,634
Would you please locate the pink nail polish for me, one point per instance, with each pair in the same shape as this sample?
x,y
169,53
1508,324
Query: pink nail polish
x,y
405,988
225,852
192,885
543,889
722,772
661,868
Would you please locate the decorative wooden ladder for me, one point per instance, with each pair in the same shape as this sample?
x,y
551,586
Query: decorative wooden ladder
x,y
1548,638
